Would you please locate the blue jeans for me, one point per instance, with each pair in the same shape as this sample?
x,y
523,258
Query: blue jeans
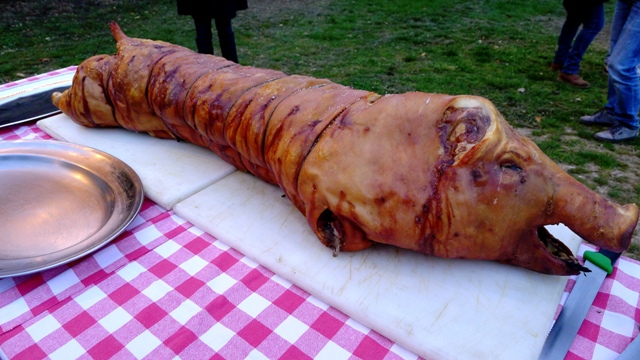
x,y
570,51
624,83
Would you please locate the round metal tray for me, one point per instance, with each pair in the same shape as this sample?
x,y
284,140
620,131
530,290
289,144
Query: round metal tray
x,y
60,201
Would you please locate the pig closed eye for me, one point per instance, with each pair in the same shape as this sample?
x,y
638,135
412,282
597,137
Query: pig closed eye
x,y
510,166
513,172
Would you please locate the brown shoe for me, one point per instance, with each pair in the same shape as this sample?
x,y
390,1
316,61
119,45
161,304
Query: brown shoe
x,y
556,66
573,79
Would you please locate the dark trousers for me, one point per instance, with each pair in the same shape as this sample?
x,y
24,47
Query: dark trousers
x,y
226,37
571,48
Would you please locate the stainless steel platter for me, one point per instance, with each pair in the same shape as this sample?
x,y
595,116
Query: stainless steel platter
x,y
60,201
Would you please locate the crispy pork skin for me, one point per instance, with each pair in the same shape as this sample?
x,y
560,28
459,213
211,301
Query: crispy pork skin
x,y
439,174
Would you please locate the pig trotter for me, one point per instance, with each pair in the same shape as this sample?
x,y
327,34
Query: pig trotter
x,y
331,231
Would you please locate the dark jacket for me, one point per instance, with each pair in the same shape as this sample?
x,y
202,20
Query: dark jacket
x,y
211,8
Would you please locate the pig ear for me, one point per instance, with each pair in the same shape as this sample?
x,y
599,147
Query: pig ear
x,y
465,123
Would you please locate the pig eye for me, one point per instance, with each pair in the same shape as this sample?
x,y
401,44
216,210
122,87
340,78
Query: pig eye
x,y
510,166
512,173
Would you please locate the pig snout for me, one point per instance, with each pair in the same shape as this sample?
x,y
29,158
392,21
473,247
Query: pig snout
x,y
591,216
588,214
563,199
517,190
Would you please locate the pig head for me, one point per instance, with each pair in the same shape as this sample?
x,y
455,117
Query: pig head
x,y
447,176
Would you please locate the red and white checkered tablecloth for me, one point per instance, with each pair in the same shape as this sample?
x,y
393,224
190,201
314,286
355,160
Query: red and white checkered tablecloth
x,y
613,320
41,78
165,289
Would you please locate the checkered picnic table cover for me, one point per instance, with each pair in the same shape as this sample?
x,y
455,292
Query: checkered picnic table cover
x,y
166,289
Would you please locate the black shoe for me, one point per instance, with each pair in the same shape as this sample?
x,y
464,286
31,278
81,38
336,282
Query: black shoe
x,y
602,117
617,133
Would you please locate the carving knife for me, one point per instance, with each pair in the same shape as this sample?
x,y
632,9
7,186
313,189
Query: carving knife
x,y
28,107
578,303
632,351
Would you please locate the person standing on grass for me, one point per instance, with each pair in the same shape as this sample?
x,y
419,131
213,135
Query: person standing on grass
x,y
571,48
623,96
222,11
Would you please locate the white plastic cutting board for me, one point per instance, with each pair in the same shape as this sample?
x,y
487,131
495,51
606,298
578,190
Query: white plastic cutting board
x,y
170,170
439,309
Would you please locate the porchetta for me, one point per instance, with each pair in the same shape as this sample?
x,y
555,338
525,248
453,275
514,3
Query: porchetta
x,y
440,174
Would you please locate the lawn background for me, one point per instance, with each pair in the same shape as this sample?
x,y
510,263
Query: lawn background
x,y
498,49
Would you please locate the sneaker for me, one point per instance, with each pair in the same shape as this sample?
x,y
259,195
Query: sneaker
x,y
573,79
602,117
556,66
617,133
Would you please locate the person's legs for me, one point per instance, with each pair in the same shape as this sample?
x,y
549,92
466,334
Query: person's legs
x,y
623,64
619,19
204,40
567,34
227,39
592,22
624,84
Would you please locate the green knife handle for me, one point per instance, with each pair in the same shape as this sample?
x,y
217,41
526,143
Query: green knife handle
x,y
604,259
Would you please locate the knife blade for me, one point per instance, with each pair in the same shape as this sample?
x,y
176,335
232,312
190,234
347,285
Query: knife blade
x,y
29,107
632,351
578,303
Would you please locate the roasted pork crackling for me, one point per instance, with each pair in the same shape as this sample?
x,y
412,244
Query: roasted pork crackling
x,y
439,174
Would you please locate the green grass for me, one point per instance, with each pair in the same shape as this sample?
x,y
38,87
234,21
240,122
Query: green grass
x,y
497,49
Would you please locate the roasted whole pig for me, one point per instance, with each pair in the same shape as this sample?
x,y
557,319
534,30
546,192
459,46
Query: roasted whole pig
x,y
439,174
